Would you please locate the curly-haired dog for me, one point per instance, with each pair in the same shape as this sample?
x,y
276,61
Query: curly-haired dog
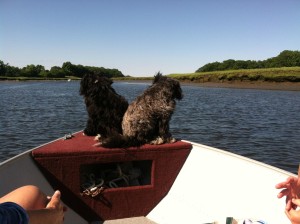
x,y
104,106
147,118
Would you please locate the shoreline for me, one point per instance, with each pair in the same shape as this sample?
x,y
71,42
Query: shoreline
x,y
283,86
262,85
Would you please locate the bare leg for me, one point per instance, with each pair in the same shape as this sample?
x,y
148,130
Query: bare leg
x,y
29,197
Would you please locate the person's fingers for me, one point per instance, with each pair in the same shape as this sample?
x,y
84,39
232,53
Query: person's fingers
x,y
293,215
286,183
288,205
282,193
296,201
57,195
288,214
281,185
55,200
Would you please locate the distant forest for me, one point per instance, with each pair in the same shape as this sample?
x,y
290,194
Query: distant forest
x,y
284,59
67,69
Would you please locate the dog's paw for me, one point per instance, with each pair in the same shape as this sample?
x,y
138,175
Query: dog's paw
x,y
98,138
157,141
171,140
160,140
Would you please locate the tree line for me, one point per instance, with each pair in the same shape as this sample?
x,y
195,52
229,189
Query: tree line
x,y
284,59
67,69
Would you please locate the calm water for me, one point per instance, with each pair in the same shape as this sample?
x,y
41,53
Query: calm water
x,y
260,124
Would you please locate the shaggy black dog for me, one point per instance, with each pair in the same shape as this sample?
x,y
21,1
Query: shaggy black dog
x,y
104,106
147,118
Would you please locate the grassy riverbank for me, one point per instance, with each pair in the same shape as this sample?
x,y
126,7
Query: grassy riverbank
x,y
286,74
287,78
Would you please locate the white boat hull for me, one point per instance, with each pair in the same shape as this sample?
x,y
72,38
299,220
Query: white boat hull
x,y
215,184
212,185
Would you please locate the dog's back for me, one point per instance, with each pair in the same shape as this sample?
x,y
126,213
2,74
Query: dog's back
x,y
104,106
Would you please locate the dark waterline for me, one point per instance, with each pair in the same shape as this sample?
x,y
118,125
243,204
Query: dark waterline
x,y
260,124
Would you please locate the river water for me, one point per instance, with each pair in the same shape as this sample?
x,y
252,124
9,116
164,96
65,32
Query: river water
x,y
260,124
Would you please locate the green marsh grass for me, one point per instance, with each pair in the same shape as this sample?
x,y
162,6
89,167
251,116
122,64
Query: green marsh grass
x,y
286,74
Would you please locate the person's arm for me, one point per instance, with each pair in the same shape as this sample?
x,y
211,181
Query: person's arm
x,y
52,214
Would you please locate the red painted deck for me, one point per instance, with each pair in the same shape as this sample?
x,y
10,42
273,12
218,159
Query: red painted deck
x,y
63,162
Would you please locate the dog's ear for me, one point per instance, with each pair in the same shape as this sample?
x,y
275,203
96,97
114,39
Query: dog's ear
x,y
84,84
107,81
177,91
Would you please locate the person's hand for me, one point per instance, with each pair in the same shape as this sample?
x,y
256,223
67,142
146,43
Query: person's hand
x,y
57,208
53,213
293,214
291,189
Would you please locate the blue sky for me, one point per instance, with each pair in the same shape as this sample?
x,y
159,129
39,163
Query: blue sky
x,y
143,37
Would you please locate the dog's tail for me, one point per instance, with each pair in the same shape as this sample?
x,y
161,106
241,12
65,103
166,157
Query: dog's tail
x,y
119,141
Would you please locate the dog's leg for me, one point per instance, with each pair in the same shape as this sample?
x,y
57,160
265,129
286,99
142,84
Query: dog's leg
x,y
90,129
164,132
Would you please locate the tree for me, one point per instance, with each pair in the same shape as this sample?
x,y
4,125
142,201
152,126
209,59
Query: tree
x,y
288,59
2,68
32,70
12,71
44,74
116,73
69,68
56,72
75,70
284,59
228,64
81,71
210,67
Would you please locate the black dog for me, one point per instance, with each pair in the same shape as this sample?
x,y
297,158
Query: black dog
x,y
147,118
104,106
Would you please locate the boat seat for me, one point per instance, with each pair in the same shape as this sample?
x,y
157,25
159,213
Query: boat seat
x,y
65,163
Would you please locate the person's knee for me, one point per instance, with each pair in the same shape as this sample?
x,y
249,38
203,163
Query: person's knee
x,y
29,197
32,189
36,198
